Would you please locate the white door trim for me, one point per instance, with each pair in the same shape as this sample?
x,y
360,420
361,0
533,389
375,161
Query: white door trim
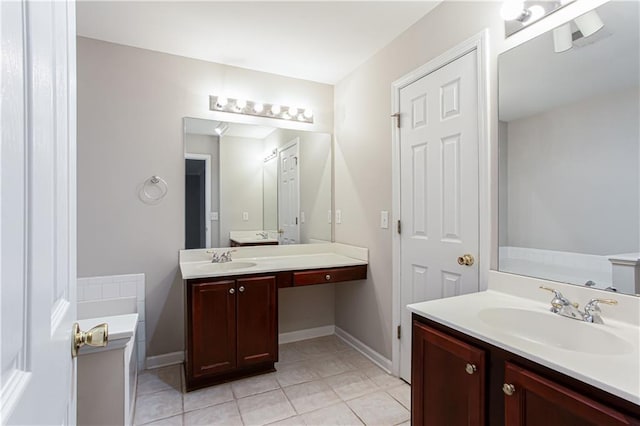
x,y
207,189
479,43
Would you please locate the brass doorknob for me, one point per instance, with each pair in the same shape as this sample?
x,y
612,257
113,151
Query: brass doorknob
x,y
466,260
98,336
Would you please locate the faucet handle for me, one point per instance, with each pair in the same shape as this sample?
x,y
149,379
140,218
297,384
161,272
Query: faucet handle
x,y
559,301
594,304
592,309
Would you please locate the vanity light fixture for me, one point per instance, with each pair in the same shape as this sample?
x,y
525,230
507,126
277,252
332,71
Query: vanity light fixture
x,y
518,14
259,109
588,24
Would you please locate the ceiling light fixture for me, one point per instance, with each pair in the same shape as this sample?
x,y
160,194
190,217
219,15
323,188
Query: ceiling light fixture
x,y
259,109
562,39
589,23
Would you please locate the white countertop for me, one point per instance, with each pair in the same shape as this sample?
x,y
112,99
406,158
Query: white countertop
x,y
194,263
251,237
618,374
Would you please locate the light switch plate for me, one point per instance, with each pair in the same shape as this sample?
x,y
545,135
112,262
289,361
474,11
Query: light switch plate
x,y
245,216
384,219
214,216
338,216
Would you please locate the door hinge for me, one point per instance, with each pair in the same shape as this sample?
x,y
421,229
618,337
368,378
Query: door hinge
x,y
399,228
397,116
399,332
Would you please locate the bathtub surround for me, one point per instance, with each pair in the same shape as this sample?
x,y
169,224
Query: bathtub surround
x,y
115,295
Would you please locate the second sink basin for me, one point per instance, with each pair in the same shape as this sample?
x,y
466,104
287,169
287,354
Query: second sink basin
x,y
552,330
226,266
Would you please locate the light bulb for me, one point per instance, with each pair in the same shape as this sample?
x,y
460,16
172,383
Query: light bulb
x,y
258,107
241,103
512,9
222,101
275,109
308,113
535,12
589,23
293,111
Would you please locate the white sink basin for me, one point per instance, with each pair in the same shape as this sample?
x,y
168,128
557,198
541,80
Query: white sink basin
x,y
549,329
226,266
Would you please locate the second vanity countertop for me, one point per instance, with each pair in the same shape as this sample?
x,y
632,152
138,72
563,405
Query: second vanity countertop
x,y
617,373
260,259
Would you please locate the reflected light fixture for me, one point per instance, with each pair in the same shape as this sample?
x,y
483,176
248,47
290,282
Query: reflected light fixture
x,y
562,38
589,23
221,129
259,109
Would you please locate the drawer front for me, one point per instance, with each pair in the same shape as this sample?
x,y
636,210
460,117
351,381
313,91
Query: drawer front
x,y
332,275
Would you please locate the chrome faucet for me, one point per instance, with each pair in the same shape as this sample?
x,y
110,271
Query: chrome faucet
x,y
592,310
222,257
562,306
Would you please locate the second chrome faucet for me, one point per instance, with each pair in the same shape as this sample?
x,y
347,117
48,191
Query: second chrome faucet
x,y
562,306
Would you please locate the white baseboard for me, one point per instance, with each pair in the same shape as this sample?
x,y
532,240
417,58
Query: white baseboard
x,y
309,333
365,350
164,360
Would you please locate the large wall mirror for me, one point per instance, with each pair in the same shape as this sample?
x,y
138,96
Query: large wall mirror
x,y
569,153
255,185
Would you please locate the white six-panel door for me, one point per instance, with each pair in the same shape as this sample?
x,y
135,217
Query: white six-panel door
x,y
289,194
438,189
37,206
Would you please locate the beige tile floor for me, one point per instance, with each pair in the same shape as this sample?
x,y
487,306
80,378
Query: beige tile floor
x,y
319,381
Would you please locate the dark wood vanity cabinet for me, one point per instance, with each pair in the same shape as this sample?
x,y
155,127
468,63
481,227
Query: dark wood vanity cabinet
x,y
232,329
447,390
448,379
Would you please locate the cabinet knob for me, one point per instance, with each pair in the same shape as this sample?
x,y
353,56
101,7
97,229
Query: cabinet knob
x,y
508,389
470,368
327,277
241,289
232,290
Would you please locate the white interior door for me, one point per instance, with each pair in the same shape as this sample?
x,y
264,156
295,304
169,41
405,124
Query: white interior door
x,y
289,194
439,189
37,206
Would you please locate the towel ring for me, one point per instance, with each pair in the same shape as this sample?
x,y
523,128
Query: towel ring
x,y
153,190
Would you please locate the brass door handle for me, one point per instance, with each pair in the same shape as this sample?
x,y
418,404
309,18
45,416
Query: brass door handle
x,y
98,336
466,260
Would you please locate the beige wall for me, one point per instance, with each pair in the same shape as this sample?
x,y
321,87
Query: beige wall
x,y
363,155
241,161
130,108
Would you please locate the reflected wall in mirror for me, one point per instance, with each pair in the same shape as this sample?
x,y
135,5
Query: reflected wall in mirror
x,y
255,185
569,156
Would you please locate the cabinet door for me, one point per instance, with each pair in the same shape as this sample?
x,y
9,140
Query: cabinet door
x,y
539,401
257,320
212,332
447,380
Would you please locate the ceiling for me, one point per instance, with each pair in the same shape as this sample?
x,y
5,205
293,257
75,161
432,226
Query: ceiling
x,y
320,41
